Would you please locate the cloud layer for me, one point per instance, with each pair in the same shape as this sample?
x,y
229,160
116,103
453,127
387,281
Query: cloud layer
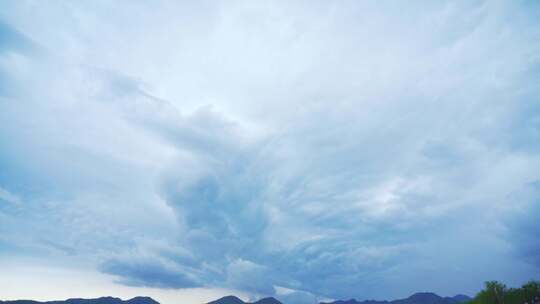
x,y
303,150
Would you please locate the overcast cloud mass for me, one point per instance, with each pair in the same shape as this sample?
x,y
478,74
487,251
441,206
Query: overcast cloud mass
x,y
300,149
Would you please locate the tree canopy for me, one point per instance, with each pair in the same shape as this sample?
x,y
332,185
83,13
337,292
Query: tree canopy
x,y
497,293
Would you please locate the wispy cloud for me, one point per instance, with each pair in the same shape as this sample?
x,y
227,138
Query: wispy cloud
x,y
307,150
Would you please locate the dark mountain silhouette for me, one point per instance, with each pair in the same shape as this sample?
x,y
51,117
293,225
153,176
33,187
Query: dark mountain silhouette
x,y
227,300
269,300
417,298
102,300
235,300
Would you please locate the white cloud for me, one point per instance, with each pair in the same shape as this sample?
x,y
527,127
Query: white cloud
x,y
9,197
321,147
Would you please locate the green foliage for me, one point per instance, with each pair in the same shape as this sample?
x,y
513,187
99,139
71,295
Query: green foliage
x,y
497,293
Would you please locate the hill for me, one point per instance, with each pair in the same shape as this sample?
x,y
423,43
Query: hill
x,y
235,300
102,300
417,298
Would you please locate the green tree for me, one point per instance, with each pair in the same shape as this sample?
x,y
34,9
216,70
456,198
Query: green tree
x,y
530,290
496,291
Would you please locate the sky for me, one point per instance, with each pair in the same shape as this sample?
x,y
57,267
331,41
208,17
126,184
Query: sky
x,y
305,150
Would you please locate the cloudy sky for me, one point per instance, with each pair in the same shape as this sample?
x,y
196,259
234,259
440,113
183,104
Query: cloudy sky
x,y
302,149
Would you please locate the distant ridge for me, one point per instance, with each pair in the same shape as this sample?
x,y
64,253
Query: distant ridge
x,y
227,300
236,300
417,298
102,300
269,300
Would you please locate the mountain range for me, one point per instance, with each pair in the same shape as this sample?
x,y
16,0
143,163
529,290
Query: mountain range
x,y
417,298
102,300
235,300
